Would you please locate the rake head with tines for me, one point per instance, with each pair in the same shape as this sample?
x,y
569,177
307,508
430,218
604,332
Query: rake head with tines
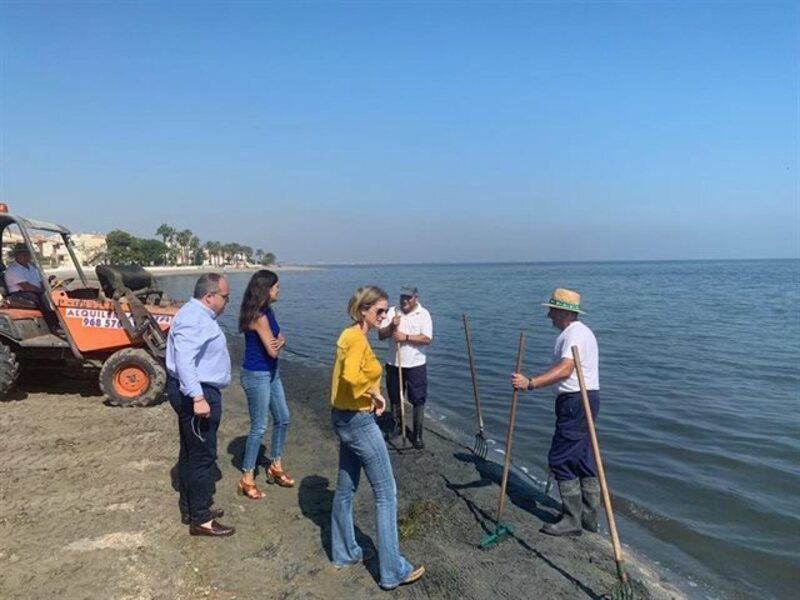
x,y
623,589
481,447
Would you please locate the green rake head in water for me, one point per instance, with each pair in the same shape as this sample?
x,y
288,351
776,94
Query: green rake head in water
x,y
501,530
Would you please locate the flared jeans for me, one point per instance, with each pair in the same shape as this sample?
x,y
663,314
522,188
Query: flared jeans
x,y
362,447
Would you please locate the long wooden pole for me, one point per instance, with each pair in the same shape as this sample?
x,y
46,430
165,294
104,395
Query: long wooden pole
x,y
587,409
474,378
402,400
510,435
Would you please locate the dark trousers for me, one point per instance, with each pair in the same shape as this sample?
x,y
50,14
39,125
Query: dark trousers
x,y
571,455
197,459
415,386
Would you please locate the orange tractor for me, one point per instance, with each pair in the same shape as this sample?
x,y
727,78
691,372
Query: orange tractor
x,y
117,327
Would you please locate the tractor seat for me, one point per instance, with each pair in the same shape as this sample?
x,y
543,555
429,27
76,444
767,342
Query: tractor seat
x,y
119,278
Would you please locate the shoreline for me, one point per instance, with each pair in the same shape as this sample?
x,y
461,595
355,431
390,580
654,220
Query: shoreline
x,y
90,510
161,271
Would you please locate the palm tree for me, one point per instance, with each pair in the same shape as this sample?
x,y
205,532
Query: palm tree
x,y
183,238
270,258
194,246
259,255
217,250
209,248
167,233
231,251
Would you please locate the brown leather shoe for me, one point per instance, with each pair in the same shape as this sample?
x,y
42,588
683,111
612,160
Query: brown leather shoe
x,y
216,513
216,530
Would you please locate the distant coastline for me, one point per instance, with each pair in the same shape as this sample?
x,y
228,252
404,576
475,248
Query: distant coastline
x,y
163,271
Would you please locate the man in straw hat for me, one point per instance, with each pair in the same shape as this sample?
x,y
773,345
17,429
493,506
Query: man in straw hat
x,y
571,459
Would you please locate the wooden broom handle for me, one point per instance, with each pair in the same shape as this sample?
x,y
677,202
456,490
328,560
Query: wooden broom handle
x,y
472,372
587,409
402,399
510,434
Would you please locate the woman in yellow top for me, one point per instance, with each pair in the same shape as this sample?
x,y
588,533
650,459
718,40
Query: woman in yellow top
x,y
356,400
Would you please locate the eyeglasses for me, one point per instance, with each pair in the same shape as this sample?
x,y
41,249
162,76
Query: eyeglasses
x,y
380,311
225,297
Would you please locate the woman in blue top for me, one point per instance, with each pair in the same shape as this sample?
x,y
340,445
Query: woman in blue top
x,y
261,381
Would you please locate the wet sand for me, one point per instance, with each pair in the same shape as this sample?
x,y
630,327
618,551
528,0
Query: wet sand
x,y
89,511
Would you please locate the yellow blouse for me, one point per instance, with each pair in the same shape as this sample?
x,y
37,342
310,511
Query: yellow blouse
x,y
355,371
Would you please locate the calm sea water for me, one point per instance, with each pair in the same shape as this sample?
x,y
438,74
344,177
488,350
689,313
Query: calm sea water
x,y
700,388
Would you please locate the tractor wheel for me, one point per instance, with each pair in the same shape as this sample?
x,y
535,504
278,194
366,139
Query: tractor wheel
x,y
132,377
9,369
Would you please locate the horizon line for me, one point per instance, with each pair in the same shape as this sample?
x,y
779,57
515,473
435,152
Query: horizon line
x,y
525,262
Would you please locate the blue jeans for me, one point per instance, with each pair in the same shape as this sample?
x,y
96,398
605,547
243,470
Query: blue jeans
x,y
265,395
362,445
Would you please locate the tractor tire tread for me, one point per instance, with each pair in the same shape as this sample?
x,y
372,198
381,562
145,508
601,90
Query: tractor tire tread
x,y
139,356
9,369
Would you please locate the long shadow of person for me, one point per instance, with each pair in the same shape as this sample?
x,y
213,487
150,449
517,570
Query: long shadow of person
x,y
315,500
521,492
487,521
236,452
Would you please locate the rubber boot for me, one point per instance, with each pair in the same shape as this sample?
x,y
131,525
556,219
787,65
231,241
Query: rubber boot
x,y
419,420
571,502
590,493
393,428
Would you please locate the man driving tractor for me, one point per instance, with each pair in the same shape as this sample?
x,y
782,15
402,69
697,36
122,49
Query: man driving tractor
x,y
23,281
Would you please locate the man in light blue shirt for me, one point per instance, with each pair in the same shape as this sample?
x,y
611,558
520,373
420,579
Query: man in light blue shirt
x,y
199,367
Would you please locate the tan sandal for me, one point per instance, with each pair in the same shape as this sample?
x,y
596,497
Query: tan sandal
x,y
250,490
280,477
415,575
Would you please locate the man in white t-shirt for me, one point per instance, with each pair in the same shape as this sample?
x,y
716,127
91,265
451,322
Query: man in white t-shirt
x,y
571,458
411,329
21,276
23,281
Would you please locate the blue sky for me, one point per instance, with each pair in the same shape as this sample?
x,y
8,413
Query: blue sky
x,y
410,131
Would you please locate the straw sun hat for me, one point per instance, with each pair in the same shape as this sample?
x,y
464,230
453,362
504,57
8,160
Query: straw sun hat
x,y
565,300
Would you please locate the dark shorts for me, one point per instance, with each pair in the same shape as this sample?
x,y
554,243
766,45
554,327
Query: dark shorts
x,y
571,455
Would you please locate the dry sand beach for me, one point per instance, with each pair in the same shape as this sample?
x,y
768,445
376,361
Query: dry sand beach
x,y
89,511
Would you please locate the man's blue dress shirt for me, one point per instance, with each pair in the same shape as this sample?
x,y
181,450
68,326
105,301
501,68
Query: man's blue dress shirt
x,y
197,351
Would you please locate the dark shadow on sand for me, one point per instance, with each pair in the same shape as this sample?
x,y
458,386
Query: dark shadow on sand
x,y
520,492
487,523
161,399
236,452
53,382
315,501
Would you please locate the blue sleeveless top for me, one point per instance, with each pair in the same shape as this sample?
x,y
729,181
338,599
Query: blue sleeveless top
x,y
255,355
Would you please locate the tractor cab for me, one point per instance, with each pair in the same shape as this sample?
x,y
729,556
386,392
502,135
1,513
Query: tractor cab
x,y
114,327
